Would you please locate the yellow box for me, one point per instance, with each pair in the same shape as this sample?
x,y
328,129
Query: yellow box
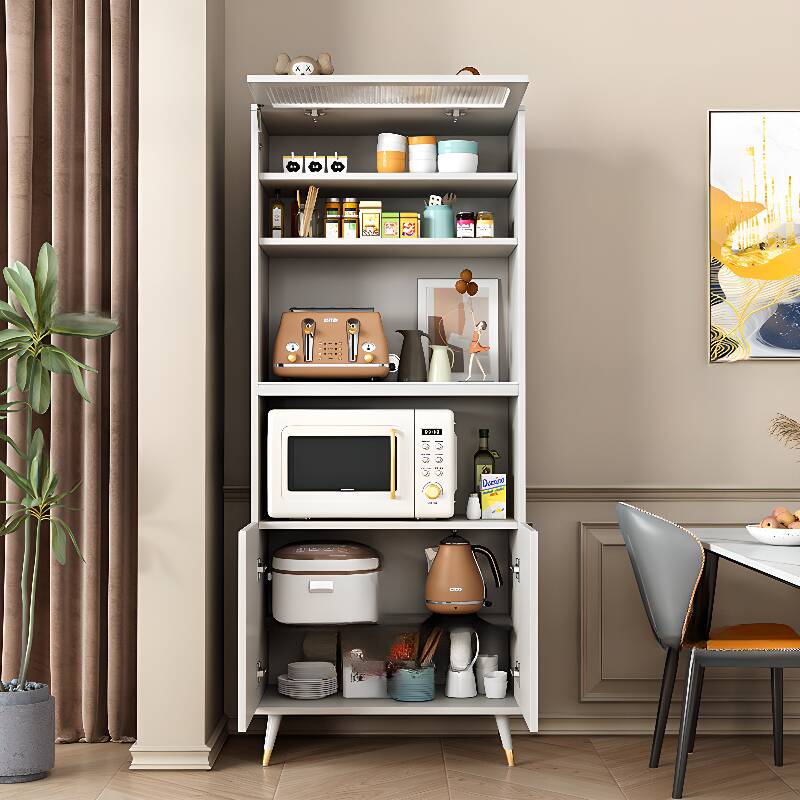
x,y
493,496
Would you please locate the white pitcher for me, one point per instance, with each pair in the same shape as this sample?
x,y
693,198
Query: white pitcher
x,y
439,370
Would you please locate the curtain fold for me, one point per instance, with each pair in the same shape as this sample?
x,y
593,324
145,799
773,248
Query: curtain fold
x,y
69,109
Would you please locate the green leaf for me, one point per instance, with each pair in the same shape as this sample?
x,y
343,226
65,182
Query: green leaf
x,y
9,314
89,326
71,535
12,522
46,280
39,388
58,538
13,336
37,445
20,281
11,443
52,360
16,478
22,372
33,474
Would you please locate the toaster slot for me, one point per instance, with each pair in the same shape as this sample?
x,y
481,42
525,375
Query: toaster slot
x,y
353,330
309,328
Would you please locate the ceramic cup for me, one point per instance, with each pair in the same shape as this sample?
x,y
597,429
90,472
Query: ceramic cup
x,y
483,666
495,683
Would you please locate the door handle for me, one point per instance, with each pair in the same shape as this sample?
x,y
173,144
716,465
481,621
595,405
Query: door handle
x,y
393,464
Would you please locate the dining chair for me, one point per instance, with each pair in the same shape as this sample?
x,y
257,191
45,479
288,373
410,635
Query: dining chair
x,y
668,562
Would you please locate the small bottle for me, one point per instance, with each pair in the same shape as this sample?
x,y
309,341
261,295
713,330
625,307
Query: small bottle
x,y
277,213
484,458
473,507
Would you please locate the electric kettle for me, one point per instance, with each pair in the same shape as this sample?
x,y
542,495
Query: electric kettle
x,y
455,584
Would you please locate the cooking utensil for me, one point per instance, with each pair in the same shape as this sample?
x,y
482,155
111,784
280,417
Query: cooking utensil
x,y
431,645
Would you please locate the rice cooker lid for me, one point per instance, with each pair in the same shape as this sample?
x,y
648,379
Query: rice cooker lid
x,y
327,557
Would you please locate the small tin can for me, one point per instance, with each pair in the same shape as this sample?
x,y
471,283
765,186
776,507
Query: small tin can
x,y
409,225
465,225
390,225
369,213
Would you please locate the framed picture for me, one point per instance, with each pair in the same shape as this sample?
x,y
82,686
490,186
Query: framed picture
x,y
469,326
754,235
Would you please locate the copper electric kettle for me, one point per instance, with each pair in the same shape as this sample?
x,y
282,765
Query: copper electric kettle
x,y
455,584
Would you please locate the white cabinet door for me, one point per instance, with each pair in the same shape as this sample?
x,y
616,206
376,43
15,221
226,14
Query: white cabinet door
x,y
524,614
252,625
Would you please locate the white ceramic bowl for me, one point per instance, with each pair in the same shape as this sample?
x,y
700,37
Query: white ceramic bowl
x,y
788,537
391,141
422,165
458,162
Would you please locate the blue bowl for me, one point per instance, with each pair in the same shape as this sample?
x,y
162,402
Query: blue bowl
x,y
457,146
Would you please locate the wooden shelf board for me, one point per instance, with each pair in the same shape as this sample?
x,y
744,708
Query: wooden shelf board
x,y
387,388
401,184
388,248
274,703
458,523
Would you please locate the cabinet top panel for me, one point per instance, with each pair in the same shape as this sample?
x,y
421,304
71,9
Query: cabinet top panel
x,y
401,103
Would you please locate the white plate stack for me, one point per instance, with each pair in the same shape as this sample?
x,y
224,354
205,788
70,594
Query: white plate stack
x,y
309,680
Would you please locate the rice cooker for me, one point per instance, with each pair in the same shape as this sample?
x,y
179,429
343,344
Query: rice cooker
x,y
325,583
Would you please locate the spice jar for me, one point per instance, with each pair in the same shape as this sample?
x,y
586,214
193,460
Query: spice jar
x,y
465,225
332,225
349,225
484,225
333,207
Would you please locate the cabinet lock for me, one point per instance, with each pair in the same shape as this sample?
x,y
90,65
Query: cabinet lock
x,y
516,570
515,671
260,568
260,671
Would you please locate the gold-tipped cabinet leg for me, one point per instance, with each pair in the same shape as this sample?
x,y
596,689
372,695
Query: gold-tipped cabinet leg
x,y
267,756
510,757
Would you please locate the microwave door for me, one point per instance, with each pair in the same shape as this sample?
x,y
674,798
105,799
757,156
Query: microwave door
x,y
345,471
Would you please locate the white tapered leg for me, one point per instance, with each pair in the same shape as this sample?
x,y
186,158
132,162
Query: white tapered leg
x,y
504,729
273,723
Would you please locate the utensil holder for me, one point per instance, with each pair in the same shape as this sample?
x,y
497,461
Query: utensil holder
x,y
410,685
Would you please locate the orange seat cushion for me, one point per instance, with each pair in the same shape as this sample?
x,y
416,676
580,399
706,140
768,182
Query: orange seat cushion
x,y
754,636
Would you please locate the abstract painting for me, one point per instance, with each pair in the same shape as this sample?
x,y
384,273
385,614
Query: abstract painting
x,y
754,234
450,318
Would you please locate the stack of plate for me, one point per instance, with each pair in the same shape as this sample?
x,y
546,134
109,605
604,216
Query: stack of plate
x,y
308,680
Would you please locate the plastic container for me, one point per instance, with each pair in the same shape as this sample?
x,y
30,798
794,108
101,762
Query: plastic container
x,y
391,156
457,155
422,154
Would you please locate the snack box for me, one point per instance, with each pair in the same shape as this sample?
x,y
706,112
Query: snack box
x,y
493,496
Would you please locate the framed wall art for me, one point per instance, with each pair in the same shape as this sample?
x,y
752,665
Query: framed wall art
x,y
754,235
469,325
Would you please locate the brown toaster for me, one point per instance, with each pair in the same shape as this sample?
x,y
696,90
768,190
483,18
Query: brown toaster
x,y
320,343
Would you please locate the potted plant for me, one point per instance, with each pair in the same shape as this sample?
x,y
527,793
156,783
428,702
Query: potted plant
x,y
27,710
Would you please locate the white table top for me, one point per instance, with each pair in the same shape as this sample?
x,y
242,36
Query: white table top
x,y
736,544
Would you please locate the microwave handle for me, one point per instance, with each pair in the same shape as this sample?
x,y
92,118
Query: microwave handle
x,y
393,464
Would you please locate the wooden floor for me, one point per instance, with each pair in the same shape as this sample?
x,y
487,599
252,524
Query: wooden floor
x,y
380,768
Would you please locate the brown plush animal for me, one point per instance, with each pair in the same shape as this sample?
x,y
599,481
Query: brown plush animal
x,y
304,65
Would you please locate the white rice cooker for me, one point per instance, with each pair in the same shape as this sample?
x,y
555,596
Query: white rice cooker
x,y
325,583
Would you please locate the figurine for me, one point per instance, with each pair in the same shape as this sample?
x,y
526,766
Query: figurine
x,y
303,66
475,347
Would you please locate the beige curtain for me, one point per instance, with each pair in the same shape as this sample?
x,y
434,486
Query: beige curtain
x,y
68,110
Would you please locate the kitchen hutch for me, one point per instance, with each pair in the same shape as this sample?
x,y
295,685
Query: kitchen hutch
x,y
344,114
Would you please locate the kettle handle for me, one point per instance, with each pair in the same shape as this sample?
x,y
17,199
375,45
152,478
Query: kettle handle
x,y
490,557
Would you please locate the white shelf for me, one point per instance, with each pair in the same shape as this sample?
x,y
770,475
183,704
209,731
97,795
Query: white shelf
x,y
376,247
401,184
386,388
458,523
411,620
274,703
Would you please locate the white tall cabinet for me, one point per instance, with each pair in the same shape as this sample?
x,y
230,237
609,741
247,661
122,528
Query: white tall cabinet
x,y
344,114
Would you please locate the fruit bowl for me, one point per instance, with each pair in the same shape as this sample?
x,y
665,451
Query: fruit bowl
x,y
780,536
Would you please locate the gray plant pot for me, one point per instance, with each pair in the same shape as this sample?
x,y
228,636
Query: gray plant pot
x,y
27,735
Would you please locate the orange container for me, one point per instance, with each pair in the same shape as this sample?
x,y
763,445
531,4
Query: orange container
x,y
391,161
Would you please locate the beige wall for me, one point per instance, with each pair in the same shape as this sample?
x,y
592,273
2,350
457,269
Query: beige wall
x,y
180,244
620,392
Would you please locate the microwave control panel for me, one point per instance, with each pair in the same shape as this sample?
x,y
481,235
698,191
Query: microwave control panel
x,y
434,463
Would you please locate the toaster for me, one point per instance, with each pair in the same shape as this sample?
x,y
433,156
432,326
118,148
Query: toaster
x,y
321,343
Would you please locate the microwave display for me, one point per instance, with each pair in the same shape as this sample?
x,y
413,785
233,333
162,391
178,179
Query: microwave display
x,y
338,463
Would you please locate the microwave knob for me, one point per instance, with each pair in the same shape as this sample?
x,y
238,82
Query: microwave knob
x,y
291,358
369,358
432,491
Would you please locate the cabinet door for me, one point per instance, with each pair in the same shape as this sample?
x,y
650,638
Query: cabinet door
x,y
524,611
252,624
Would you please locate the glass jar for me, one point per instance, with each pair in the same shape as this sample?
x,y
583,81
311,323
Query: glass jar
x,y
333,207
484,225
465,225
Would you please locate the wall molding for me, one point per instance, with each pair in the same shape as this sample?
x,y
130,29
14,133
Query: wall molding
x,y
167,757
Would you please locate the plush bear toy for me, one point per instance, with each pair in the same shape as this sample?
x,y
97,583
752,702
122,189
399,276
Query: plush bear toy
x,y
304,65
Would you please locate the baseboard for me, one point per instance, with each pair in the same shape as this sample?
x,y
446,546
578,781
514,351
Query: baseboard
x,y
165,757
643,726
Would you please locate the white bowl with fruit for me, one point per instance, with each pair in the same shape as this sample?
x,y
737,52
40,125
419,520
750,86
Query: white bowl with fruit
x,y
782,527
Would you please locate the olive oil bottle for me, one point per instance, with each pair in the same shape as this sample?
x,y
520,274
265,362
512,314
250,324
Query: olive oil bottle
x,y
484,459
277,217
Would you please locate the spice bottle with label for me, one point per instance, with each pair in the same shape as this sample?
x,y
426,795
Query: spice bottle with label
x,y
465,225
350,218
277,214
484,225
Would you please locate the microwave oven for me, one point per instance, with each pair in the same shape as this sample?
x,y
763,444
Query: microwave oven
x,y
361,463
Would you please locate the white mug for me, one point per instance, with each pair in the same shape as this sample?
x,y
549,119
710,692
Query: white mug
x,y
495,684
484,665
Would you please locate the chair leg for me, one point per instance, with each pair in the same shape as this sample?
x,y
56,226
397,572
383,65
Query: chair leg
x,y
696,709
667,685
776,675
692,681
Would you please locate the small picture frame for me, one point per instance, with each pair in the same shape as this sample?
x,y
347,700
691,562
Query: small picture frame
x,y
454,319
315,165
293,164
337,164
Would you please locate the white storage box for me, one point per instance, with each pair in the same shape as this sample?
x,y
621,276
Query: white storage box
x,y
325,583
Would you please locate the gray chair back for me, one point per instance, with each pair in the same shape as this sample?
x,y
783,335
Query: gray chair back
x,y
667,561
